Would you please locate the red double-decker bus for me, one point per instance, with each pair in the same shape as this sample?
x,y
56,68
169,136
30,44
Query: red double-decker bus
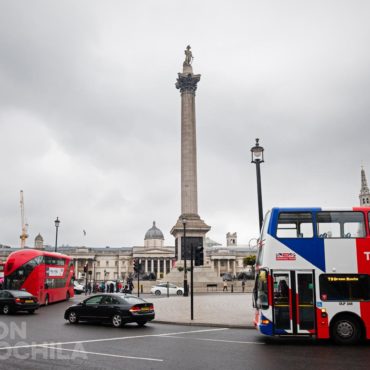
x,y
2,264
46,275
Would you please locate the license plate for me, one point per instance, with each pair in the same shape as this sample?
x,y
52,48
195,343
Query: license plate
x,y
28,301
145,309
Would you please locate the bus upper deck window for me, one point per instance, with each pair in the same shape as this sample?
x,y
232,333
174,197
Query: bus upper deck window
x,y
295,225
344,224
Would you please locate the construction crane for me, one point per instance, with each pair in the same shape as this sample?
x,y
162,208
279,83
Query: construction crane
x,y
24,234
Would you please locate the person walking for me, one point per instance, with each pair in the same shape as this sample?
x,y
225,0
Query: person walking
x,y
111,287
243,285
225,286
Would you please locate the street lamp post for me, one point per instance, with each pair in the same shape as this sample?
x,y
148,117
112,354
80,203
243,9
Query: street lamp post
x,y
186,292
57,223
257,159
191,282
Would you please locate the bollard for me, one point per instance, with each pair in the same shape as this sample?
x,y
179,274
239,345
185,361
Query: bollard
x,y
232,288
141,288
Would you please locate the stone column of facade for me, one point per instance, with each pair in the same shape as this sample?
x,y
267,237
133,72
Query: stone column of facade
x,y
146,265
234,267
196,228
218,267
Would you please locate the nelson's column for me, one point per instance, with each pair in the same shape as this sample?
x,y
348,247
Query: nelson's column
x,y
189,221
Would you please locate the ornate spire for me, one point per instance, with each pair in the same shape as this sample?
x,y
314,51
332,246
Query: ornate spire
x,y
364,192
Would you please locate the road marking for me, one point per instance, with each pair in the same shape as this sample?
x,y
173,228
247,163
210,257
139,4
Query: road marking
x,y
110,339
102,354
214,340
191,332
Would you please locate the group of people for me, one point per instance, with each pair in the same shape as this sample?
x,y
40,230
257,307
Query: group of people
x,y
109,287
225,288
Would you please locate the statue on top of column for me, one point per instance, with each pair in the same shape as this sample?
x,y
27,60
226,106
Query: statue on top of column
x,y
188,56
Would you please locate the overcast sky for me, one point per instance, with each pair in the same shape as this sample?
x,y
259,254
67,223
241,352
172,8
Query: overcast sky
x,y
90,116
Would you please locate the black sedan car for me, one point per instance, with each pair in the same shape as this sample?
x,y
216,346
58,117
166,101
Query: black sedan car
x,y
116,308
12,301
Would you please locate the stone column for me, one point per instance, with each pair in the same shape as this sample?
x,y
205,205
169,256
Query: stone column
x,y
195,226
218,268
146,265
189,193
234,267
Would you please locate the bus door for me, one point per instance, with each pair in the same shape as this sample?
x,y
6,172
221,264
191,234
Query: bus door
x,y
293,302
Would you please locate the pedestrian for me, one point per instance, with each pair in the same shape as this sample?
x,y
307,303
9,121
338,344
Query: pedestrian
x,y
111,287
89,287
243,285
225,286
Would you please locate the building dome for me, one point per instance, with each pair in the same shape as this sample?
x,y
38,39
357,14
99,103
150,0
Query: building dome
x,y
154,233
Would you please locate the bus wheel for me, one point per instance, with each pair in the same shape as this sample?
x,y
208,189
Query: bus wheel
x,y
68,296
6,310
346,330
47,300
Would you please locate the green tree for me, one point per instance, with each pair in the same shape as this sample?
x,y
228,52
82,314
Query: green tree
x,y
249,260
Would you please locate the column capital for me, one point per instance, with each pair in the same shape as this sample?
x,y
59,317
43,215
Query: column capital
x,y
187,82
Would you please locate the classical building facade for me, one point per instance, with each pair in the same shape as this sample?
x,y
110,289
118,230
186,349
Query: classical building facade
x,y
155,257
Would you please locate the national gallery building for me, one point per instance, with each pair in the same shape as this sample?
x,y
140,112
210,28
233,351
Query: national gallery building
x,y
155,257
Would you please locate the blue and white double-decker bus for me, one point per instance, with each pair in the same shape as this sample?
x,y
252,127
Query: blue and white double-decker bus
x,y
313,274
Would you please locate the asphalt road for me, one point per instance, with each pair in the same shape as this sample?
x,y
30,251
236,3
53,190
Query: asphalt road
x,y
46,341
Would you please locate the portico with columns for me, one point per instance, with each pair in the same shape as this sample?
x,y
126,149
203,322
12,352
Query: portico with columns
x,y
154,257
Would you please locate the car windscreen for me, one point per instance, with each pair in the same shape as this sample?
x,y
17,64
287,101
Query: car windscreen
x,y
20,293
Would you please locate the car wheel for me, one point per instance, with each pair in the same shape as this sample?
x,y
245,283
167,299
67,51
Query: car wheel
x,y
68,296
31,311
141,323
179,292
346,330
47,300
157,292
6,310
73,318
117,320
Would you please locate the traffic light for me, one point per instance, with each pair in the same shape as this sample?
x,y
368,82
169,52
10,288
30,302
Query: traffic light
x,y
199,256
86,268
136,264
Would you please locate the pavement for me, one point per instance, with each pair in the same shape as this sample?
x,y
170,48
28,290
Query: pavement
x,y
210,309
